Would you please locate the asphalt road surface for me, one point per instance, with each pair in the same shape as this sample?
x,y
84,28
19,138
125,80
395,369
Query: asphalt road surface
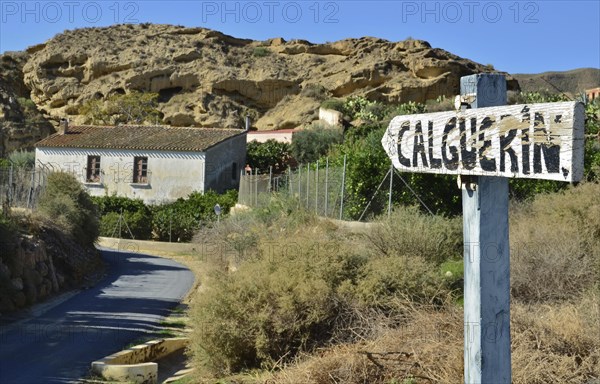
x,y
58,346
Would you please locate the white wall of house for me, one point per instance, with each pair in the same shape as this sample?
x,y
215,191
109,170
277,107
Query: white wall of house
x,y
224,162
171,175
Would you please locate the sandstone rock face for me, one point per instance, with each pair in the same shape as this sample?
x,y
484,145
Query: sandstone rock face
x,y
206,78
20,126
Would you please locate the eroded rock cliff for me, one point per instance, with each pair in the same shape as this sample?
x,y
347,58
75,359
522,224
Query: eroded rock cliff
x,y
206,78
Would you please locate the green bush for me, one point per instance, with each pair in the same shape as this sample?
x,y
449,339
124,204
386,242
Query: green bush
x,y
335,104
137,222
311,144
271,153
25,159
261,52
136,215
180,220
65,202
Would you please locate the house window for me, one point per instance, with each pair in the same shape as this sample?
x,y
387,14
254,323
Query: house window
x,y
93,169
234,171
140,170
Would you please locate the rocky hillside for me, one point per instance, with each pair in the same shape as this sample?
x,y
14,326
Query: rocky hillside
x,y
21,123
206,78
570,82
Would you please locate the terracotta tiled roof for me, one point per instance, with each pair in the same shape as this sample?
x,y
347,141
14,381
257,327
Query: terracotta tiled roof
x,y
292,130
160,138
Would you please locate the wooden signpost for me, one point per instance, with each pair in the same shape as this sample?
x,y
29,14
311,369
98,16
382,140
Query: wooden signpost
x,y
486,144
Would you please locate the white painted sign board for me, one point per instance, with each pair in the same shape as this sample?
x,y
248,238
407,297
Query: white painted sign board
x,y
534,141
492,142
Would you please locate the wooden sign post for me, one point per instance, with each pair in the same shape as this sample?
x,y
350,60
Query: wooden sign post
x,y
485,145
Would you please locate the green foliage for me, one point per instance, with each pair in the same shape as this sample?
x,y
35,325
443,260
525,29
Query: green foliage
x,y
310,144
117,204
132,108
539,97
367,165
65,202
359,107
30,112
24,159
136,215
177,221
181,219
335,104
4,163
261,52
409,108
26,103
271,153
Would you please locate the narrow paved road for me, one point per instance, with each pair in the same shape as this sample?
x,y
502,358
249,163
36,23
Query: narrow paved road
x,y
59,345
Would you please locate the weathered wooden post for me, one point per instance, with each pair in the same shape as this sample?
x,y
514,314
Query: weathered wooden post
x,y
486,256
485,145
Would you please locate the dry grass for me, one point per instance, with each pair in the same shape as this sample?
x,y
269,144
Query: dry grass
x,y
555,245
555,312
557,343
550,344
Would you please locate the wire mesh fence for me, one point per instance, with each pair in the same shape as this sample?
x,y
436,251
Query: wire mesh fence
x,y
318,186
21,187
324,188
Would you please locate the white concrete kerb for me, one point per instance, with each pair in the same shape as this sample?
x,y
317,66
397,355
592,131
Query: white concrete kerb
x,y
136,364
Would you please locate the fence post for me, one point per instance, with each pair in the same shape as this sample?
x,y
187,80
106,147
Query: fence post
x,y
10,185
300,183
343,185
391,187
256,187
317,190
31,189
289,181
270,178
307,185
326,186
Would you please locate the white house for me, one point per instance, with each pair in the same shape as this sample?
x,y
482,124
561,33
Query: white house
x,y
155,163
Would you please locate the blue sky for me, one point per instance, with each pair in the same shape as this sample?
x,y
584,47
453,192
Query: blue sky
x,y
514,36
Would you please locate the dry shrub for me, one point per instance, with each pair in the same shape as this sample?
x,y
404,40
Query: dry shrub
x,y
316,304
307,285
555,245
409,232
427,349
280,302
550,344
556,344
